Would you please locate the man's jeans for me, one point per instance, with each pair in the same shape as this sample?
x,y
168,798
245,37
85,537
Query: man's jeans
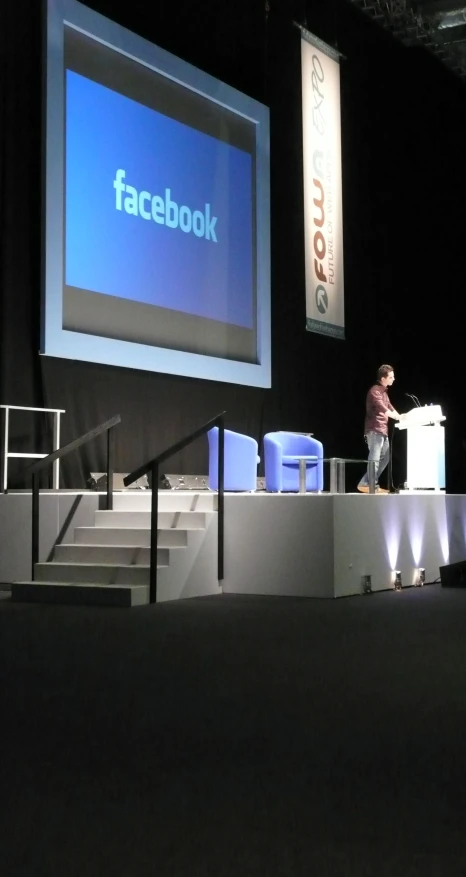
x,y
379,453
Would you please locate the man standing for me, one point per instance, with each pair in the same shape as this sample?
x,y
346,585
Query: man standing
x,y
378,410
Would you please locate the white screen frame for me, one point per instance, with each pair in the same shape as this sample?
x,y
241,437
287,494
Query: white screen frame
x,y
58,342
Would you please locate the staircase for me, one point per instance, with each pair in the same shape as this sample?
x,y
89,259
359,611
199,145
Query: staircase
x,y
109,563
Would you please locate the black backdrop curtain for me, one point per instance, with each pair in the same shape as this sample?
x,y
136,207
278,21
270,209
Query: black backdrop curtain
x,y
404,187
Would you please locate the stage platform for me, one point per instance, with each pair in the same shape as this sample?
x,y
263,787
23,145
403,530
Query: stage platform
x,y
275,544
322,545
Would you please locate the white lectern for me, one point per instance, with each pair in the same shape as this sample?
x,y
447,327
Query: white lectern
x,y
426,447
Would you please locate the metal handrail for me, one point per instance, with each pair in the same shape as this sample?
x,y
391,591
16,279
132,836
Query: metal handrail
x,y
153,467
38,467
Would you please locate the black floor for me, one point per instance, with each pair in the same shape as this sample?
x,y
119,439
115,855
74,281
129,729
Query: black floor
x,y
235,736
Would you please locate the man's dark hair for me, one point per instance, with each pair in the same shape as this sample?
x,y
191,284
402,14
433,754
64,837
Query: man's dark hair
x,y
384,371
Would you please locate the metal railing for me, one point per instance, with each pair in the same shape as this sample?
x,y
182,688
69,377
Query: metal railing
x,y
58,455
7,454
153,467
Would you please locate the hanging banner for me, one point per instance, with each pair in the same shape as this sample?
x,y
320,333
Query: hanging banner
x,y
323,220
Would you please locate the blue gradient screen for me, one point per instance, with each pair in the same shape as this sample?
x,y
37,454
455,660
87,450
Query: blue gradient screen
x,y
156,211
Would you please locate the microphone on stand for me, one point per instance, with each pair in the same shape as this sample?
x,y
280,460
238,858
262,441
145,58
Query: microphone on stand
x,y
415,400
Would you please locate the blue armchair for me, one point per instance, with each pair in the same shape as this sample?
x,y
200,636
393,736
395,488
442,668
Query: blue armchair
x,y
281,455
240,460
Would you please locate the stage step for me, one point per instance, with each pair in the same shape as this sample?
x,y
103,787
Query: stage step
x,y
113,554
166,520
98,573
169,501
109,563
135,536
80,594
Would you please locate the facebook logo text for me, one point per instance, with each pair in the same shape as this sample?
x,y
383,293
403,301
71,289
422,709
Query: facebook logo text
x,y
164,211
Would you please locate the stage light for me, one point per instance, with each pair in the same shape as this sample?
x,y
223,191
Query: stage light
x,y
367,584
184,482
398,581
421,577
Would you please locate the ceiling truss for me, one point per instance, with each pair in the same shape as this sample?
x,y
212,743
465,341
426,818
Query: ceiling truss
x,y
438,25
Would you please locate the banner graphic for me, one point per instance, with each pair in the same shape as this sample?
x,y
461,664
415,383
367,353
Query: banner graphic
x,y
323,220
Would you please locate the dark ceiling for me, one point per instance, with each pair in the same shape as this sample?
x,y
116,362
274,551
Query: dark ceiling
x,y
438,25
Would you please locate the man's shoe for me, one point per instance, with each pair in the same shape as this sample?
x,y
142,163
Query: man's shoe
x,y
363,488
381,490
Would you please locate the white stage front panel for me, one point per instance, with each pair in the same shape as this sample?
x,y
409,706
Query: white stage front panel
x,y
279,544
404,532
322,545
